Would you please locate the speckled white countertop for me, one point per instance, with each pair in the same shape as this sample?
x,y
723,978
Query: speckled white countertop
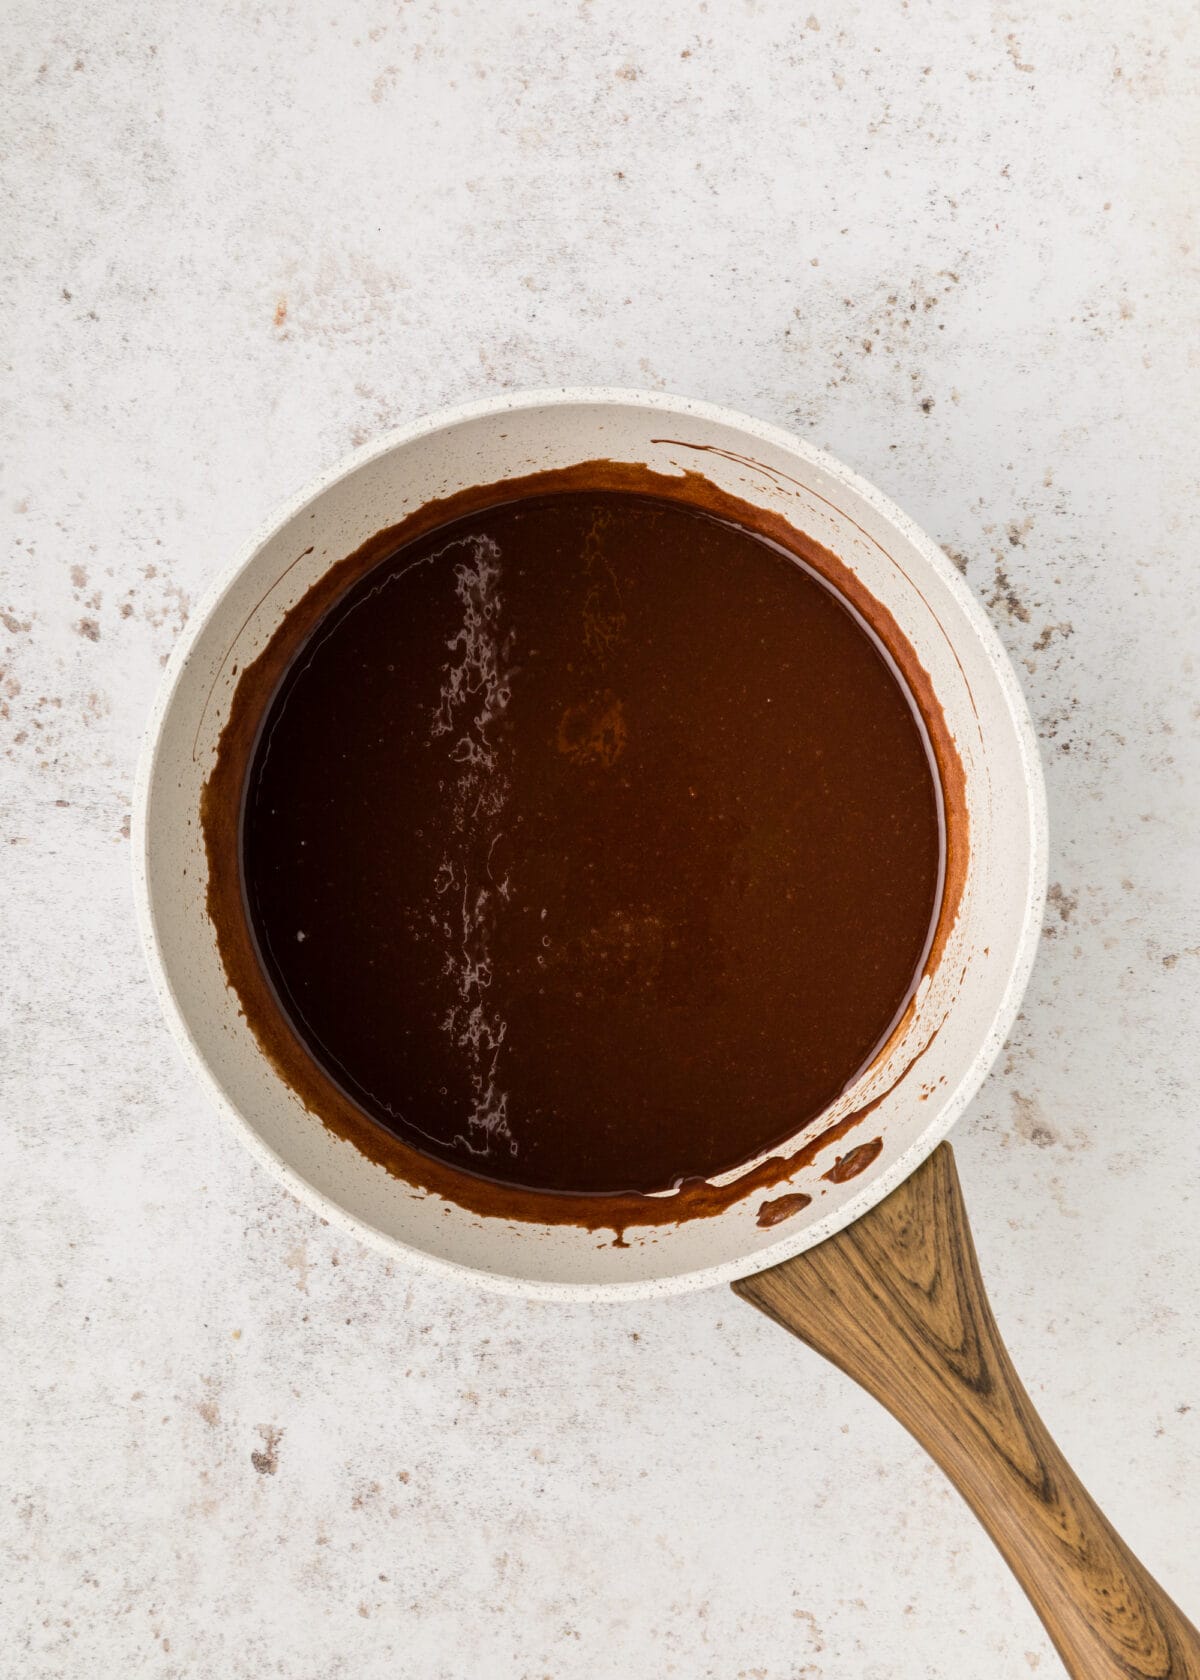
x,y
953,245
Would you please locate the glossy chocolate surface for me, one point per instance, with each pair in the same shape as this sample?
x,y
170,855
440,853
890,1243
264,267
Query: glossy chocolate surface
x,y
591,843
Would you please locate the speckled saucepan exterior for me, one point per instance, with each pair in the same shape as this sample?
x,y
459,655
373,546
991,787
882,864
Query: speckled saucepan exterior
x,y
971,997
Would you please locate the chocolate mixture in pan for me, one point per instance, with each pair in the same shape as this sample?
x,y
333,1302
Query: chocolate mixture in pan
x,y
592,843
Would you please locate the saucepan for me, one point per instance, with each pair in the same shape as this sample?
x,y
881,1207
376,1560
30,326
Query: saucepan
x,y
861,1245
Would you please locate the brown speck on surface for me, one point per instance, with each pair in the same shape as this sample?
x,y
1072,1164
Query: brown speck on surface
x,y
266,1462
281,312
124,830
813,23
957,558
1057,898
14,625
628,73
1017,533
1173,957
209,1410
812,1630
1005,599
1014,53
79,577
88,628
1031,1123
1047,634
926,405
297,1260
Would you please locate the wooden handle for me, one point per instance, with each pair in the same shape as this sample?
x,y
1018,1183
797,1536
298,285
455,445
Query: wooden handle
x,y
896,1300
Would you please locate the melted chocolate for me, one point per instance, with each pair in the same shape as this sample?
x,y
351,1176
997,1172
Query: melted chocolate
x,y
779,1208
592,844
857,1161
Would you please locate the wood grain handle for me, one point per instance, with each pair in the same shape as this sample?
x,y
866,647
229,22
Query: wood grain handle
x,y
896,1300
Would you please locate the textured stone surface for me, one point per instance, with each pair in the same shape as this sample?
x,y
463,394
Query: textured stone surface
x,y
952,244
